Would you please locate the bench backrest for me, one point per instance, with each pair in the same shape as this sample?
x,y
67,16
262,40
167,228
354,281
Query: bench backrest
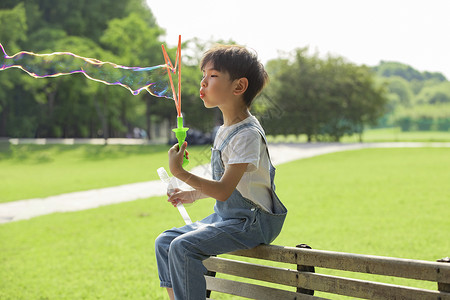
x,y
438,272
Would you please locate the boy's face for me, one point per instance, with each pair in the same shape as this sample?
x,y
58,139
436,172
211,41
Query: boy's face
x,y
216,87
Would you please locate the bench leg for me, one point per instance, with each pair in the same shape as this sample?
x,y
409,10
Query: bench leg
x,y
444,287
302,268
212,274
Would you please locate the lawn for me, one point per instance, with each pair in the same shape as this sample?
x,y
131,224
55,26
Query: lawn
x,y
34,171
397,135
390,202
387,201
376,135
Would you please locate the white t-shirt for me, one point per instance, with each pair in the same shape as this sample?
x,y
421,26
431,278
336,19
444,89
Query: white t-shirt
x,y
248,147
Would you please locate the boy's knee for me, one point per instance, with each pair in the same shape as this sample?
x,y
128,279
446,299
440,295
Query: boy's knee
x,y
162,241
183,246
177,245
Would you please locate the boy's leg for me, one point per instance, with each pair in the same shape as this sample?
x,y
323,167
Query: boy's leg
x,y
171,295
162,245
188,251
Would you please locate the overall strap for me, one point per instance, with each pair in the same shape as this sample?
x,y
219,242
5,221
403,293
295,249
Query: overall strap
x,y
241,127
236,131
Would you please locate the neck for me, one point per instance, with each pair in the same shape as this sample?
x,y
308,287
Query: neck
x,y
234,114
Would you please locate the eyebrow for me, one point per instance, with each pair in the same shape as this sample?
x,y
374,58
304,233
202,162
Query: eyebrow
x,y
210,69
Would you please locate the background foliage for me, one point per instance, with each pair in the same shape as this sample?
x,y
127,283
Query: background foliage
x,y
324,98
417,100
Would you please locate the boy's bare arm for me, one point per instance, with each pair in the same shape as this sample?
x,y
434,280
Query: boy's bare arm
x,y
220,190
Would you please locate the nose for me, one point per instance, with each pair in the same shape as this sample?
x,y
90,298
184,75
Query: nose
x,y
203,83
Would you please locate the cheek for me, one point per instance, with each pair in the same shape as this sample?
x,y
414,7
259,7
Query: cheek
x,y
219,88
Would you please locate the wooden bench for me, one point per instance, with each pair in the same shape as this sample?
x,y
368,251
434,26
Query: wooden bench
x,y
304,281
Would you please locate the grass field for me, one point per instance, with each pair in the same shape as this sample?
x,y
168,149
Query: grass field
x,y
378,135
29,171
390,202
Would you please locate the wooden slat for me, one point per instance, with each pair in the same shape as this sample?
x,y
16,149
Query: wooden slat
x,y
319,282
252,291
370,290
405,268
252,271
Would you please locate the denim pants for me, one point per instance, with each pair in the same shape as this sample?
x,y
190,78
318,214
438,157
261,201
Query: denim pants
x,y
236,223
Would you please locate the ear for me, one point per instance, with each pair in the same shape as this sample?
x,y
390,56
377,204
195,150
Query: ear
x,y
240,86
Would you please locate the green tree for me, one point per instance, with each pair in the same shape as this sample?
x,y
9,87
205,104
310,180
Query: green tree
x,y
323,98
71,106
414,97
400,87
434,93
12,33
390,69
135,42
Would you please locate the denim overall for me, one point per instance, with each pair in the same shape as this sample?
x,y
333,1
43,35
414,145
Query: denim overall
x,y
237,223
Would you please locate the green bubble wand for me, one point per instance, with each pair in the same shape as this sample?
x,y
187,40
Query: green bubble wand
x,y
180,131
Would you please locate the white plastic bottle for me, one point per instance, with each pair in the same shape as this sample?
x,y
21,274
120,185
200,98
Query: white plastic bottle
x,y
171,186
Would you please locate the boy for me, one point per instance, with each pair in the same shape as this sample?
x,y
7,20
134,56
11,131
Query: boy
x,y
247,211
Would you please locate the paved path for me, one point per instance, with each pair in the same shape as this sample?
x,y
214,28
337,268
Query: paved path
x,y
280,153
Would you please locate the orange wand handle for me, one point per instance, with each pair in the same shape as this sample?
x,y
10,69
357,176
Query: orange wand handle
x,y
180,131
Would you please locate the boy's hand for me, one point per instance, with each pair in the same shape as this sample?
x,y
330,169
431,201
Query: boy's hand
x,y
181,196
176,158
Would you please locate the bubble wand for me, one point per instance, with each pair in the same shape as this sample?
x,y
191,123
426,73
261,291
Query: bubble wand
x,y
180,131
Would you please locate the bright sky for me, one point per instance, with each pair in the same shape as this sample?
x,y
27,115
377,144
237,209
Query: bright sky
x,y
415,32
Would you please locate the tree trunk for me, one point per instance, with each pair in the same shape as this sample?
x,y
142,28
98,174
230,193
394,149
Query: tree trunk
x,y
147,116
105,119
3,116
102,114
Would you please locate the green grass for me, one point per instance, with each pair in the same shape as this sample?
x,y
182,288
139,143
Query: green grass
x,y
376,135
389,202
394,195
34,171
396,135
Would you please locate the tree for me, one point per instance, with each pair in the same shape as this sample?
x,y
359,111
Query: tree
x,y
390,69
399,86
415,98
135,43
12,33
323,98
71,106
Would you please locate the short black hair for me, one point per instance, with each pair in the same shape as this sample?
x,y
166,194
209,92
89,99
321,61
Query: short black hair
x,y
238,62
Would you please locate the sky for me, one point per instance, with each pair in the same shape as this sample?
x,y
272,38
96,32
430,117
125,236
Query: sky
x,y
414,32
